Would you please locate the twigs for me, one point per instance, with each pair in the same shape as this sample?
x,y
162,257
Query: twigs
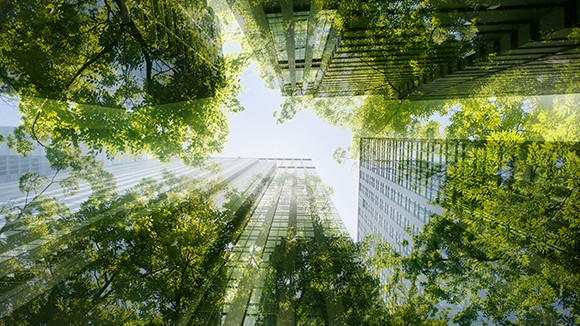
x,y
135,33
33,133
103,51
27,203
399,92
391,85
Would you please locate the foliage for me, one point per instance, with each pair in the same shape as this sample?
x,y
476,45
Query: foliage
x,y
145,257
556,118
477,118
109,54
124,76
506,249
429,130
406,301
405,36
340,155
335,110
328,274
547,117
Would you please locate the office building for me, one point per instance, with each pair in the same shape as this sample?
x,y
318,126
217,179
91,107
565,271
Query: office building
x,y
402,181
286,211
292,39
278,203
400,186
14,165
299,42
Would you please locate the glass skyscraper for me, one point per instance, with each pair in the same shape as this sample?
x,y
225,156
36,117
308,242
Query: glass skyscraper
x,y
293,38
400,185
275,206
289,209
341,48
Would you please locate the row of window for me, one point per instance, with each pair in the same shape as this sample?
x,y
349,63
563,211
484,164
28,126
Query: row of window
x,y
410,205
387,231
425,181
418,165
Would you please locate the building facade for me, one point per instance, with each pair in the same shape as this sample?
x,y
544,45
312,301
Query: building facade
x,y
273,205
14,165
287,210
292,39
400,185
338,48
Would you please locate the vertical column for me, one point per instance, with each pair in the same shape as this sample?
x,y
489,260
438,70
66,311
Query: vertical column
x,y
314,10
249,263
288,19
286,314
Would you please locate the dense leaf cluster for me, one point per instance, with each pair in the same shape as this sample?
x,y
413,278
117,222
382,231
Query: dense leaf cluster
x,y
323,281
506,249
121,76
148,256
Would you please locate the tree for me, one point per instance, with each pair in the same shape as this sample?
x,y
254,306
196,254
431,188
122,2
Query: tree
x,y
513,224
145,257
404,42
121,76
505,251
406,300
328,277
111,53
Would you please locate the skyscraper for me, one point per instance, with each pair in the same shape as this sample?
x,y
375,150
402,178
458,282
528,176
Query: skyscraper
x,y
404,182
278,219
293,39
291,208
400,185
445,49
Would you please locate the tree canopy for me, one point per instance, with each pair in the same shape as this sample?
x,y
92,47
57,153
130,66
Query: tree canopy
x,y
148,256
120,76
505,251
127,76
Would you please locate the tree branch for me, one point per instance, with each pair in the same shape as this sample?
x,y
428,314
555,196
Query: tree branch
x,y
39,194
88,63
135,33
385,75
7,80
392,116
32,132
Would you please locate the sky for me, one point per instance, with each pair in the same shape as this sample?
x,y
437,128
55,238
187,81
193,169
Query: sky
x,y
254,133
9,115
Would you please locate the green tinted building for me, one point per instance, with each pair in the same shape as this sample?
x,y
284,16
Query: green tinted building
x,y
274,252
416,49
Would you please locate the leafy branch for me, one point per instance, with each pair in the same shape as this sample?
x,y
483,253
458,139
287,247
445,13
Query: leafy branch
x,y
32,129
86,65
37,195
135,33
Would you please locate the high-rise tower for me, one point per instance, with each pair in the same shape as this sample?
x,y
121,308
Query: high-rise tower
x,y
250,259
419,50
400,184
